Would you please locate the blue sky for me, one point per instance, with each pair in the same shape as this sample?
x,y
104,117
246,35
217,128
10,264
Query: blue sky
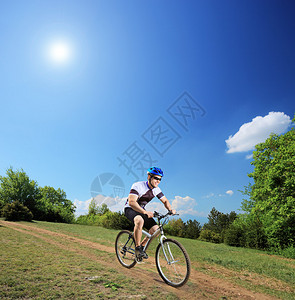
x,y
123,85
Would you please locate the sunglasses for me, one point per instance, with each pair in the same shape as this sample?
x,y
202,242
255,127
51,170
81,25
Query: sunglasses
x,y
157,178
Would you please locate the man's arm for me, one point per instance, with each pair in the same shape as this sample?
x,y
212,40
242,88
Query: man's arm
x,y
132,198
167,204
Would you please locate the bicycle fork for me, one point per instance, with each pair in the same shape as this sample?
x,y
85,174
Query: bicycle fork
x,y
172,261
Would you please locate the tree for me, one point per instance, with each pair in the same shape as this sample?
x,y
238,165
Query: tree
x,y
16,212
17,186
192,229
246,231
96,209
54,206
103,209
47,203
208,235
175,227
93,207
272,195
219,222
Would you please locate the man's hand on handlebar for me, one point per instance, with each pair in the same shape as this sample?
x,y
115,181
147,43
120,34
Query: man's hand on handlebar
x,y
172,212
149,214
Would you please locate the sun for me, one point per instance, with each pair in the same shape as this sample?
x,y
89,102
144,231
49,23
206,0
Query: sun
x,y
59,52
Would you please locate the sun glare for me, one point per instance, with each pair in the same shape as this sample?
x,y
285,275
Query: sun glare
x,y
59,52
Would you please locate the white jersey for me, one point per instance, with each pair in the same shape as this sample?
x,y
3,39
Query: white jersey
x,y
145,193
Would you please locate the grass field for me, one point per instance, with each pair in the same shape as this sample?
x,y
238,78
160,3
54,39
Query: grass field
x,y
41,260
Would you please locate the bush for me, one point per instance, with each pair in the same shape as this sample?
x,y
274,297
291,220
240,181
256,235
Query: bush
x,y
192,229
288,252
235,236
175,228
16,211
246,231
113,220
116,220
210,236
255,234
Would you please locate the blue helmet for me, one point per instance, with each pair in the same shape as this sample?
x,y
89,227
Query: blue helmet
x,y
155,171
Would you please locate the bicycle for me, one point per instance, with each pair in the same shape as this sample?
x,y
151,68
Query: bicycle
x,y
172,260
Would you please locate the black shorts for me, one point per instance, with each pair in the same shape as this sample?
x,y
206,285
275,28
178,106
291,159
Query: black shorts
x,y
131,214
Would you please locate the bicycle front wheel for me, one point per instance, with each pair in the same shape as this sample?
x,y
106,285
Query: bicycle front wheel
x,y
173,263
125,249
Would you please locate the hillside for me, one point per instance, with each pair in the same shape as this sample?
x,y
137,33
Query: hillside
x,y
52,260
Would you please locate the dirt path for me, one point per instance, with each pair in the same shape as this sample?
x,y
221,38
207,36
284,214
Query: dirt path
x,y
200,286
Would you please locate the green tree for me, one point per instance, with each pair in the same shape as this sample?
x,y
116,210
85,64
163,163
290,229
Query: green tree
x,y
54,206
219,222
16,211
93,207
103,209
272,195
175,227
96,209
246,231
208,235
17,186
192,229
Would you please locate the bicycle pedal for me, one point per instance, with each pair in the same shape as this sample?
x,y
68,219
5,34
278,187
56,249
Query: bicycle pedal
x,y
139,260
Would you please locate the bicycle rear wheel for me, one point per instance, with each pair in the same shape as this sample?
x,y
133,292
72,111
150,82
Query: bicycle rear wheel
x,y
173,263
125,249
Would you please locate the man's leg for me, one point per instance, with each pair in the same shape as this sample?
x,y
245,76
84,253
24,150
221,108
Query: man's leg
x,y
153,229
138,224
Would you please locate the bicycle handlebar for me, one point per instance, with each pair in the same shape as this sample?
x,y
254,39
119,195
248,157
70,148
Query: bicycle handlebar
x,y
160,216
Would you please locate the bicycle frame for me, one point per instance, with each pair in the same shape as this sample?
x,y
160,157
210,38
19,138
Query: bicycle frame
x,y
151,237
162,238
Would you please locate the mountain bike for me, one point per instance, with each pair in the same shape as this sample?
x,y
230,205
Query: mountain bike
x,y
172,260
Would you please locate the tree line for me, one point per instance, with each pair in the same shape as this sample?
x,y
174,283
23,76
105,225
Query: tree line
x,y
23,199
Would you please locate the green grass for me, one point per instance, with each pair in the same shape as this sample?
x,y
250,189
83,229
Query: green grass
x,y
246,264
241,259
32,268
92,233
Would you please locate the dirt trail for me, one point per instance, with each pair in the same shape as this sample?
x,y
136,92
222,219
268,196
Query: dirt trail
x,y
200,286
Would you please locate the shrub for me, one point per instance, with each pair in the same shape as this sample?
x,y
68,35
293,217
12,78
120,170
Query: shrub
x,y
16,211
234,236
175,228
246,231
288,252
208,235
114,220
192,229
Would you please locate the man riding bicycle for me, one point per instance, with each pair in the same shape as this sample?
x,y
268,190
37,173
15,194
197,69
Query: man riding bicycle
x,y
141,193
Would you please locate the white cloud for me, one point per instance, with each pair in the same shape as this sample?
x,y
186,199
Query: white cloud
x,y
216,196
156,206
257,131
114,204
119,206
229,192
182,205
211,195
81,207
250,156
186,206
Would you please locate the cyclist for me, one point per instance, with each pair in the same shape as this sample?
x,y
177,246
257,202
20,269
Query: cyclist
x,y
141,193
